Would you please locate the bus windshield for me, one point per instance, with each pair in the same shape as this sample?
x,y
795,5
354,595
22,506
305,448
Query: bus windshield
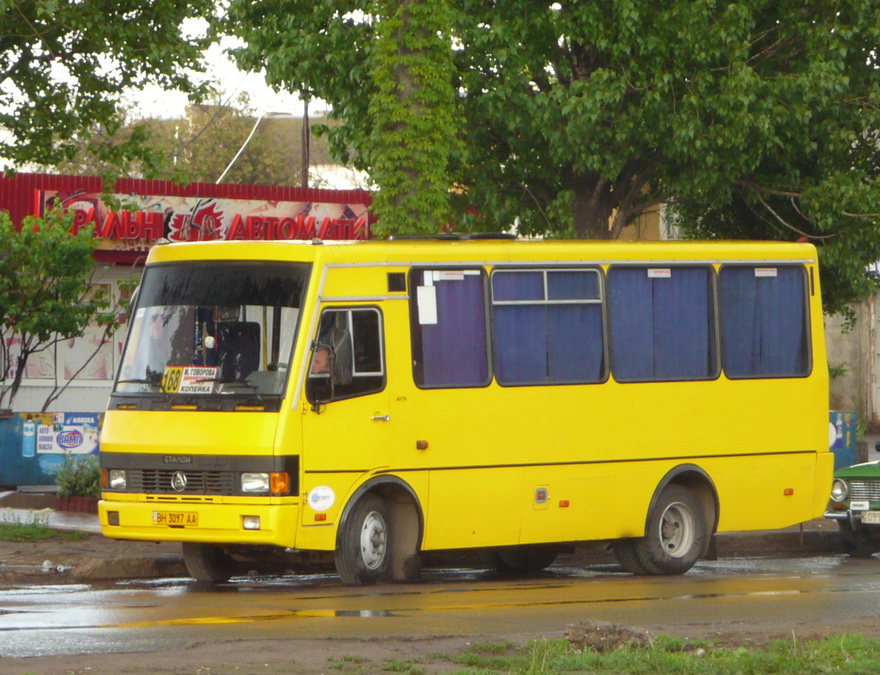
x,y
213,329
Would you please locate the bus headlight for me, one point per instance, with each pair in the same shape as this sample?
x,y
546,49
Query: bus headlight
x,y
116,479
255,482
839,490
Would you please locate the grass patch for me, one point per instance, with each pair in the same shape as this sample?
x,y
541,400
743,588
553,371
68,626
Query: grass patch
x,y
408,666
348,664
37,529
843,654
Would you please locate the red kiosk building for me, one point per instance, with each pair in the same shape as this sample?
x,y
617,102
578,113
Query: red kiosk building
x,y
149,211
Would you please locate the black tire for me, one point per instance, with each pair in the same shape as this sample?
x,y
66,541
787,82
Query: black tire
x,y
524,558
625,552
363,544
676,535
857,543
207,563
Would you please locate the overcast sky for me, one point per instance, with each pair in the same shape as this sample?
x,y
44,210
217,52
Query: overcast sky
x,y
154,102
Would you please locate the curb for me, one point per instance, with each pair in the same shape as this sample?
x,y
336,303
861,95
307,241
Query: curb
x,y
776,542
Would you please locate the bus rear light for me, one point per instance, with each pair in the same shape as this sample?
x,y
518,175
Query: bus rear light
x,y
279,482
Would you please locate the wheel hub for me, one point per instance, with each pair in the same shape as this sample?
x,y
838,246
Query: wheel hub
x,y
374,540
677,530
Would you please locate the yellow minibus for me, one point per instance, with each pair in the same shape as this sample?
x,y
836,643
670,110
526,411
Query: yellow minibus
x,y
373,401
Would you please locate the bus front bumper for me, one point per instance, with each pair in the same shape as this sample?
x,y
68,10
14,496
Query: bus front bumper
x,y
224,523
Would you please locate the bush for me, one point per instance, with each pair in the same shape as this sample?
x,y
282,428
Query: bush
x,y
78,476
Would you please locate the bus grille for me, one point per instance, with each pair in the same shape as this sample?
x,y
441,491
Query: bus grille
x,y
864,490
158,481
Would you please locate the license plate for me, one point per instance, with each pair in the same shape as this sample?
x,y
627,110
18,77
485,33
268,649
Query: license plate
x,y
176,518
871,517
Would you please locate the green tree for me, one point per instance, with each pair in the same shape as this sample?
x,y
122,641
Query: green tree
x,y
578,116
65,64
46,292
388,75
413,117
199,146
211,136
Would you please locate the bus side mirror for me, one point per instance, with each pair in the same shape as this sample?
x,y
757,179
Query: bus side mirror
x,y
341,361
319,386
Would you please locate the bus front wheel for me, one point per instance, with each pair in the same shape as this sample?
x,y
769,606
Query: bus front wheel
x,y
207,562
362,550
676,534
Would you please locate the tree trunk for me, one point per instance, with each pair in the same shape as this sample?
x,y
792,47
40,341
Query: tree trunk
x,y
20,363
591,206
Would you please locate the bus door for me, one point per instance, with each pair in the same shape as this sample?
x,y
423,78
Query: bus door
x,y
346,417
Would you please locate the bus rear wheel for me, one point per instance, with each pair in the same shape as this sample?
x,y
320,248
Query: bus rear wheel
x,y
362,549
524,558
207,562
625,552
676,534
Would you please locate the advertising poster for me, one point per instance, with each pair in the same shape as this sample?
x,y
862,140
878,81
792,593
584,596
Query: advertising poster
x,y
143,219
48,437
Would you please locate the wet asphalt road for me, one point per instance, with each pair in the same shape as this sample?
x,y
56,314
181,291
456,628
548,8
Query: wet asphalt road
x,y
765,596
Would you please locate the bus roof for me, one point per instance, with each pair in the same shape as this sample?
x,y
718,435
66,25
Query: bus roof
x,y
483,251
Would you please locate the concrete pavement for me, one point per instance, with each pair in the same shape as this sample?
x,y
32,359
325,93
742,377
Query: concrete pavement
x,y
62,521
815,537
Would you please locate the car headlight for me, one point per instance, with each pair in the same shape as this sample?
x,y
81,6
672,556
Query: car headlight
x,y
255,482
839,490
116,479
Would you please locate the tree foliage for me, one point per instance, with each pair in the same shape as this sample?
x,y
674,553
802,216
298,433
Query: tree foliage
x,y
413,116
46,292
388,75
756,117
209,138
65,64
200,146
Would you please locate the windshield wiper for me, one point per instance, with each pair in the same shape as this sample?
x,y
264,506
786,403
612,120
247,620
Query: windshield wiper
x,y
152,383
239,382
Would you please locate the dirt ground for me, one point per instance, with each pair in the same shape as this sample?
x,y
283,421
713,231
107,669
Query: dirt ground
x,y
88,559
94,558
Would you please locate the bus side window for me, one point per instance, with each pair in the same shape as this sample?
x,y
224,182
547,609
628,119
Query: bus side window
x,y
449,328
348,357
547,326
764,321
662,322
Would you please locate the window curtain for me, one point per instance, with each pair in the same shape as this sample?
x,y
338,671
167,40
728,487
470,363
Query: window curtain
x,y
454,350
661,328
539,342
763,322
